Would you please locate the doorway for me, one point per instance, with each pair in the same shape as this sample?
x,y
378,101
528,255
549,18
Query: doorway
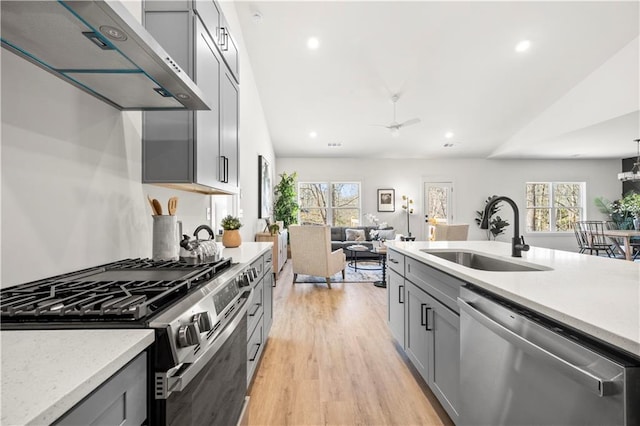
x,y
438,205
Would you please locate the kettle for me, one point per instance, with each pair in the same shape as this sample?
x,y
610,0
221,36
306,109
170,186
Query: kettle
x,y
195,250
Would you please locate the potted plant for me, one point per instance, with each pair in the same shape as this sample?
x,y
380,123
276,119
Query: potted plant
x,y
497,225
285,207
625,212
231,235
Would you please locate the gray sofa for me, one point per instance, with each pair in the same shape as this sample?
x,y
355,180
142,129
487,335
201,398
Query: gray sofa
x,y
339,239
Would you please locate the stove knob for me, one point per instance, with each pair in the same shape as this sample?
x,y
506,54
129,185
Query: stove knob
x,y
188,335
203,319
246,279
254,271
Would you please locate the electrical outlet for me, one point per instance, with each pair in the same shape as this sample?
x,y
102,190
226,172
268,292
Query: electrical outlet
x,y
208,213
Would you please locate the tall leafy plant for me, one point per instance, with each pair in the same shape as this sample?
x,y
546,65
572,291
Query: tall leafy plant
x,y
285,207
497,225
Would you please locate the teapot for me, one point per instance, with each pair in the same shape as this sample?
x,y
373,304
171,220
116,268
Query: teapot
x,y
195,250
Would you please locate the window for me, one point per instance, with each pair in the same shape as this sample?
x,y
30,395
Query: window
x,y
332,203
554,206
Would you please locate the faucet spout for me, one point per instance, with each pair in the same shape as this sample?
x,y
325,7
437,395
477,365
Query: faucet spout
x,y
517,242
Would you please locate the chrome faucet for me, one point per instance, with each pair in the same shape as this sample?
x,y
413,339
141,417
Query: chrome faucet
x,y
517,242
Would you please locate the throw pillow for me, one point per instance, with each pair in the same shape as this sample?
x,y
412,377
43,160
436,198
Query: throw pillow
x,y
387,234
355,234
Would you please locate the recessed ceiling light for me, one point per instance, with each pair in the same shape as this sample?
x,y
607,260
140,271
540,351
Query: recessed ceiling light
x,y
313,43
257,17
448,135
313,134
523,45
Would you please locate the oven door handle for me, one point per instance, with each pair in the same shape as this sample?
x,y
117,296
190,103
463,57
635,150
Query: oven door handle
x,y
180,382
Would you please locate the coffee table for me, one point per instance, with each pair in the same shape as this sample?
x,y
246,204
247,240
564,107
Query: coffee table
x,y
382,259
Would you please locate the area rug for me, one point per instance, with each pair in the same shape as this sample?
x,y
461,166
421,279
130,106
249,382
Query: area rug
x,y
351,276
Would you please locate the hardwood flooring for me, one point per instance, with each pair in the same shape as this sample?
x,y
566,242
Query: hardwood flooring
x,y
330,360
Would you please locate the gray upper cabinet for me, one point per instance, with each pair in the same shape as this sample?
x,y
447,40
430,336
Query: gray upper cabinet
x,y
229,147
229,48
195,150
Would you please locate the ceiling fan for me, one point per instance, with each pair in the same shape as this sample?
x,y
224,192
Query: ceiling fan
x,y
394,126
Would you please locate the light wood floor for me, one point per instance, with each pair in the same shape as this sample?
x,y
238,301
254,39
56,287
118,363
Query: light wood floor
x,y
330,359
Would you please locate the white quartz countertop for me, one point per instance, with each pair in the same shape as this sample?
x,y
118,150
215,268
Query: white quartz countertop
x,y
46,372
247,252
596,295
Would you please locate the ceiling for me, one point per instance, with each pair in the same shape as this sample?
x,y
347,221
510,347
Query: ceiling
x,y
573,94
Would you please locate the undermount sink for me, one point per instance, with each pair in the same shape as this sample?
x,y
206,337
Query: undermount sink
x,y
485,263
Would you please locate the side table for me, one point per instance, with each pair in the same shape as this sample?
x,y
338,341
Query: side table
x,y
382,253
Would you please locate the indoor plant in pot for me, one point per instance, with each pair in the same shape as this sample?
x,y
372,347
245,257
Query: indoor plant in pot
x,y
231,235
285,207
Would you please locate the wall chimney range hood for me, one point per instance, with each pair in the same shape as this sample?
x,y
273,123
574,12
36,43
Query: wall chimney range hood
x,y
99,47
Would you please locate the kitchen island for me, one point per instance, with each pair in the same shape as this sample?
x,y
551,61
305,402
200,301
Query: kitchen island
x,y
598,296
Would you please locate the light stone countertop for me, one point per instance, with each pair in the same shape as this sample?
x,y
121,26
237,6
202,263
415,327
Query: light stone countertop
x,y
247,252
596,295
46,372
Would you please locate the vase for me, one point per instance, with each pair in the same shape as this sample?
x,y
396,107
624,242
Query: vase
x,y
231,238
636,224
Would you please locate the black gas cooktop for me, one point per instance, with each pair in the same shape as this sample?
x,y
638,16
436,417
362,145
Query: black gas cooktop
x,y
127,291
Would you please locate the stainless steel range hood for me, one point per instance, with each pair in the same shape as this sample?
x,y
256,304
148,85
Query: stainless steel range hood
x,y
99,47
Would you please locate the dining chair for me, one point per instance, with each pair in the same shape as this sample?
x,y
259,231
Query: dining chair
x,y
595,240
581,237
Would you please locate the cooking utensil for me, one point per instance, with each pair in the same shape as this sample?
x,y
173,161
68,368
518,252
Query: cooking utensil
x,y
153,208
173,205
157,207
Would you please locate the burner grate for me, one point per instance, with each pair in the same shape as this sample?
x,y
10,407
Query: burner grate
x,y
130,289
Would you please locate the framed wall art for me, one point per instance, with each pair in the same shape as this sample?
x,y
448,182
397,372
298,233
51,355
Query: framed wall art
x,y
386,200
265,193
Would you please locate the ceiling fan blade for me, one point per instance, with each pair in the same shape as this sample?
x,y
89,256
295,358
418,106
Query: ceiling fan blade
x,y
410,122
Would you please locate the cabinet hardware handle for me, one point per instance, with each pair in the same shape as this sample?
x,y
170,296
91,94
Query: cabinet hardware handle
x,y
427,319
422,311
224,45
408,267
400,289
255,355
256,311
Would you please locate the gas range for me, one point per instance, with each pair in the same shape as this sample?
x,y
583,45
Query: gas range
x,y
198,313
181,301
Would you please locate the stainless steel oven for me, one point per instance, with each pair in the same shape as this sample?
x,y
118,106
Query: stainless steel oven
x,y
198,363
519,368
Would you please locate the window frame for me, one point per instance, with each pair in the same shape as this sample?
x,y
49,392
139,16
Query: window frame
x,y
552,209
329,207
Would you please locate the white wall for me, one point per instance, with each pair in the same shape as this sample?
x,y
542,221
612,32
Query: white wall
x,y
71,174
474,181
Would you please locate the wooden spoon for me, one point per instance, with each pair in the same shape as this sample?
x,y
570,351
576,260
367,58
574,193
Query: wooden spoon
x,y
157,207
173,205
153,208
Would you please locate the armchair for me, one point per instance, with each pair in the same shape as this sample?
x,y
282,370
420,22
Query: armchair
x,y
311,252
451,232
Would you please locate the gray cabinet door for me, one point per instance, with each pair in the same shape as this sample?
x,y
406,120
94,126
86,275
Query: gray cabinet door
x,y
207,122
395,302
268,301
229,135
444,371
167,136
121,400
418,339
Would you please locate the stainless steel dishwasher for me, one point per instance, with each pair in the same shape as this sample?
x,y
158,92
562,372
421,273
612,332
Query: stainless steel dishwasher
x,y
519,368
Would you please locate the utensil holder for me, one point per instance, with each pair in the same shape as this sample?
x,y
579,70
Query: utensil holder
x,y
165,238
